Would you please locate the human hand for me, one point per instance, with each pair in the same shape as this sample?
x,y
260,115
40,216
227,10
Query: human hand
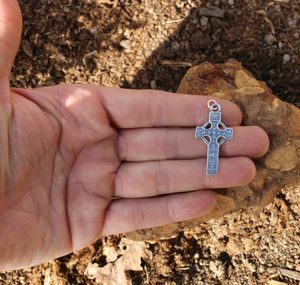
x,y
82,161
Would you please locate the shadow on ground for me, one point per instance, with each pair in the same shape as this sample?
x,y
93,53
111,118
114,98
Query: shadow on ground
x,y
264,38
263,35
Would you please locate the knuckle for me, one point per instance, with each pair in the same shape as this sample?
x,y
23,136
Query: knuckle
x,y
119,185
168,144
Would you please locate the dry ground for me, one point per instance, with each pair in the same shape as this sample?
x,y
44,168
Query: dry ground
x,y
150,44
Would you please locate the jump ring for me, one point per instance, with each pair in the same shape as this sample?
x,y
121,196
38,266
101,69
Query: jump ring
x,y
213,106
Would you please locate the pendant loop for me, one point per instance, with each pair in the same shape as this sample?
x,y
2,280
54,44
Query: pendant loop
x,y
213,106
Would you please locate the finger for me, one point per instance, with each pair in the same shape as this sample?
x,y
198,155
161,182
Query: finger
x,y
127,215
146,179
180,143
149,108
10,34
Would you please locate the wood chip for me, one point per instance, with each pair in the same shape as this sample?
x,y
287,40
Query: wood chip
x,y
274,282
269,22
290,274
176,63
26,48
174,21
103,1
212,11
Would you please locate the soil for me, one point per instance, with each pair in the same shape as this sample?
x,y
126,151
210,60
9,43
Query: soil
x,y
151,44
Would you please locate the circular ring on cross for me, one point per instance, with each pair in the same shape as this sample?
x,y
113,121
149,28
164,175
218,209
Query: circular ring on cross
x,y
213,106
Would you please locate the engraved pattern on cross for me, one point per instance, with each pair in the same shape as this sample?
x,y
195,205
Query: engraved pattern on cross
x,y
214,133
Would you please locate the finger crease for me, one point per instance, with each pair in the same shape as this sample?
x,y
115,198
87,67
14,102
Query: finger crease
x,y
198,112
139,215
166,144
170,211
176,144
162,179
155,112
119,185
123,149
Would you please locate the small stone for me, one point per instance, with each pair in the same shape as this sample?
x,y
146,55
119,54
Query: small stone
x,y
261,269
195,20
187,13
204,21
217,23
212,11
175,46
231,2
125,44
250,266
217,268
262,260
296,36
153,84
270,39
94,31
165,270
26,48
286,58
290,265
66,10
220,231
234,33
271,270
200,40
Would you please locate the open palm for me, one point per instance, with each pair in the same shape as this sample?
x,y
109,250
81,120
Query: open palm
x,y
81,161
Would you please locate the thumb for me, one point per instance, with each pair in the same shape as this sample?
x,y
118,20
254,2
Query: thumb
x,y
10,35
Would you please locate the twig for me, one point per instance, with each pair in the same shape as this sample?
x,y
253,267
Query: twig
x,y
174,21
176,63
289,273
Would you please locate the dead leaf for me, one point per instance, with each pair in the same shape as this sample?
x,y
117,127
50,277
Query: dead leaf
x,y
101,275
116,272
133,252
110,253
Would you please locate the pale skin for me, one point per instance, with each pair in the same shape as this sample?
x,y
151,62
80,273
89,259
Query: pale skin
x,y
81,161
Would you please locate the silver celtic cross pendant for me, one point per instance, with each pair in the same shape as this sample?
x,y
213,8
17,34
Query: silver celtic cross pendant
x,y
214,133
